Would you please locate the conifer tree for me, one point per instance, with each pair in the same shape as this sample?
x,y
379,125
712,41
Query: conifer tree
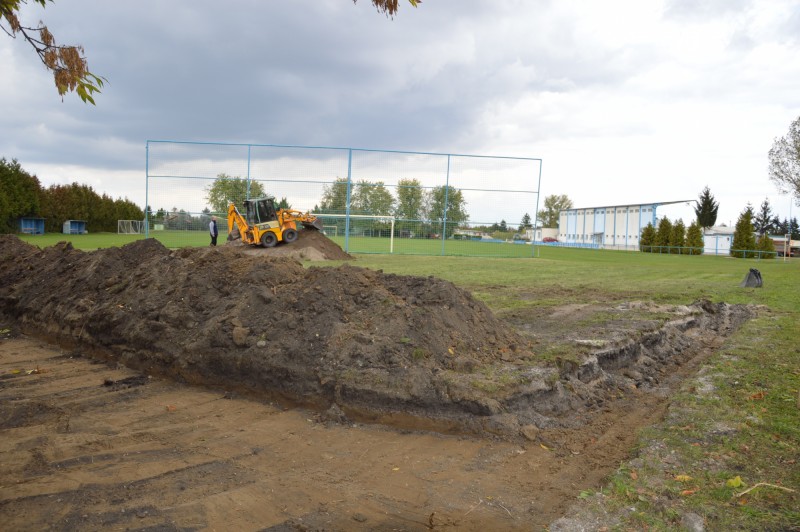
x,y
744,240
706,209
694,239
677,237
763,219
663,234
766,244
647,238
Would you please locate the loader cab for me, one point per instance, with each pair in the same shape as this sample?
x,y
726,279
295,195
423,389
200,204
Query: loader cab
x,y
260,210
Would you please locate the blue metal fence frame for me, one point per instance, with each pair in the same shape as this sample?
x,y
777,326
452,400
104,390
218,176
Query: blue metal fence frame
x,y
350,151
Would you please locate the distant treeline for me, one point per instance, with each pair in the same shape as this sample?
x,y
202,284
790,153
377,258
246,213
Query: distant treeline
x,y
21,195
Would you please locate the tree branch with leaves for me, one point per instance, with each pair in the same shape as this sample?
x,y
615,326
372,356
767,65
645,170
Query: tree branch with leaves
x,y
390,6
66,62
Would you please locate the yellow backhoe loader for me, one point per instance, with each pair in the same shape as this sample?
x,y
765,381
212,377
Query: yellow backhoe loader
x,y
264,225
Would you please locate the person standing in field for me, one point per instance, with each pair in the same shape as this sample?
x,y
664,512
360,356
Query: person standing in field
x,y
212,228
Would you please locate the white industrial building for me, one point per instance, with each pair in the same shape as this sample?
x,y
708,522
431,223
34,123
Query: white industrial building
x,y
610,227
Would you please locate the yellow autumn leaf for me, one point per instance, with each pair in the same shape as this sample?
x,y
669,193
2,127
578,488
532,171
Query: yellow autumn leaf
x,y
450,350
545,447
735,482
395,469
683,478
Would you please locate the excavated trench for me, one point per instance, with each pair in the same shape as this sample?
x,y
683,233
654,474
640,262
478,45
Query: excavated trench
x,y
411,352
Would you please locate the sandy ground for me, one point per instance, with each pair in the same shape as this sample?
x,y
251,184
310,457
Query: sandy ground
x,y
88,446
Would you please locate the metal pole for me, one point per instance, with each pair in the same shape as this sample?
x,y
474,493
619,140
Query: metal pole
x,y
391,238
248,172
536,212
146,188
446,191
787,247
347,200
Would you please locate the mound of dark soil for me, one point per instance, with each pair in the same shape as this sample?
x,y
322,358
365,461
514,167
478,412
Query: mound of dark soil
x,y
310,245
411,351
369,341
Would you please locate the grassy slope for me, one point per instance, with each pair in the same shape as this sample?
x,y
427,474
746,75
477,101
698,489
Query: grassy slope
x,y
739,421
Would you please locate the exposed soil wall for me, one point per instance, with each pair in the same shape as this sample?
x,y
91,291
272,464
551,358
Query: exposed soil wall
x,y
409,351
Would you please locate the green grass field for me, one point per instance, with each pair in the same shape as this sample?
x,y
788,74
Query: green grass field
x,y
178,239
744,435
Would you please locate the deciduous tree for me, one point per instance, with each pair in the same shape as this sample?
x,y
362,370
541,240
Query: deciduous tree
x,y
410,199
334,197
19,194
371,198
548,216
227,189
447,203
784,161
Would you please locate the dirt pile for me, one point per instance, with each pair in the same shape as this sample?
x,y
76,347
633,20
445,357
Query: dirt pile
x,y
310,245
370,342
365,345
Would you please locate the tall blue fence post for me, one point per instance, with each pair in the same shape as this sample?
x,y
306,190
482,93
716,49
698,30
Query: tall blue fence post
x,y
146,188
248,172
347,201
446,190
536,212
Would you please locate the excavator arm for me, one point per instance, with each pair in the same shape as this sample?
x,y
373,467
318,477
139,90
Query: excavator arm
x,y
238,227
309,221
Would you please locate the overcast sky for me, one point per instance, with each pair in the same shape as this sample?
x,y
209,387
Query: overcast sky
x,y
624,101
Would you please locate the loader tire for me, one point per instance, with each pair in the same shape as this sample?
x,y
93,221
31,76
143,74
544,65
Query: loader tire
x,y
290,235
268,239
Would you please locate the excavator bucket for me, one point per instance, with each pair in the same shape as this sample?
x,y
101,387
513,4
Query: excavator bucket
x,y
315,224
752,279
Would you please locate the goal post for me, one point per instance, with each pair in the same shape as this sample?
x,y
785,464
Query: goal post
x,y
130,227
363,222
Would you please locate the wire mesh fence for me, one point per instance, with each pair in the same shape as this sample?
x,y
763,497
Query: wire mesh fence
x,y
369,201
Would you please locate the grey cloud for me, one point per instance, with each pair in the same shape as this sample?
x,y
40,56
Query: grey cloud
x,y
314,72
